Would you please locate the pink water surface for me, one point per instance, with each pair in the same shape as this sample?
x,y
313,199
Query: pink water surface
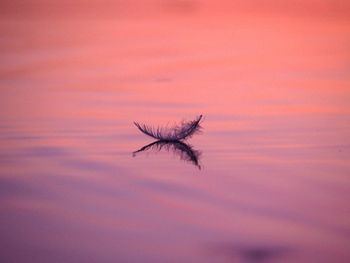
x,y
272,81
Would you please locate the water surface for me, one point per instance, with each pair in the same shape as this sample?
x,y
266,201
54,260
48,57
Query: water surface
x,y
272,83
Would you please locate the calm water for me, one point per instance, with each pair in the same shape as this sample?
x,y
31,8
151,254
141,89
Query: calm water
x,y
273,86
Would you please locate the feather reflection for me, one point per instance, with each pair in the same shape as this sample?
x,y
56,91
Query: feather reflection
x,y
181,149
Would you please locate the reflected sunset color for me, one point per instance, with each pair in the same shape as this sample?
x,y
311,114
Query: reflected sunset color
x,y
80,183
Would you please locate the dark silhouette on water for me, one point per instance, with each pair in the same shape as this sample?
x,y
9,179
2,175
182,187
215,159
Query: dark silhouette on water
x,y
183,150
176,133
171,139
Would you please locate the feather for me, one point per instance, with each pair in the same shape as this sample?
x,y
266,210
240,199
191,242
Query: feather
x,y
181,149
176,133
